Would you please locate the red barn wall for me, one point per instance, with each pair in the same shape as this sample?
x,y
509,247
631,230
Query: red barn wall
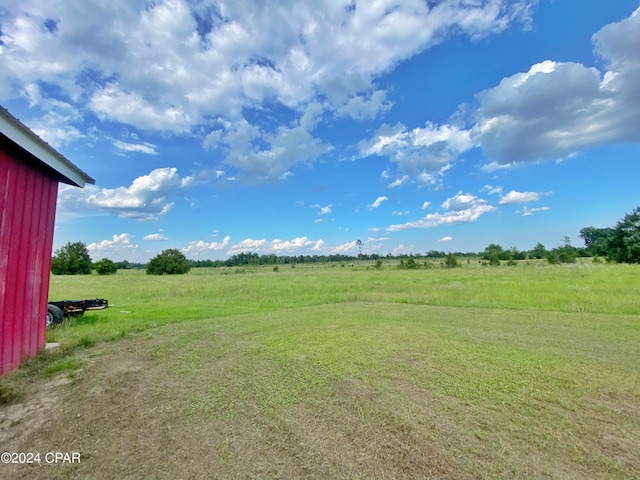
x,y
27,206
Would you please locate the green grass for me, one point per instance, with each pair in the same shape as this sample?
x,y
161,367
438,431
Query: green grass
x,y
477,372
499,388
142,301
66,364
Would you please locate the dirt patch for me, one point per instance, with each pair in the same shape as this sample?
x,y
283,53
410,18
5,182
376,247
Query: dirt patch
x,y
106,412
42,404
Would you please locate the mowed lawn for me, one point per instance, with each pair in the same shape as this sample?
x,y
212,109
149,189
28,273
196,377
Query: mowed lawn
x,y
329,371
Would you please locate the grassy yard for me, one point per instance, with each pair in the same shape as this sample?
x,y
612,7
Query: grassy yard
x,y
340,372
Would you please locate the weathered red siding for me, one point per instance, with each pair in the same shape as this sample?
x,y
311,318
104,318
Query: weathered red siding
x,y
27,206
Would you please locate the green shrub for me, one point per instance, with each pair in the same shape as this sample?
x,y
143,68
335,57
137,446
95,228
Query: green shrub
x,y
105,267
562,255
168,262
408,264
494,260
450,261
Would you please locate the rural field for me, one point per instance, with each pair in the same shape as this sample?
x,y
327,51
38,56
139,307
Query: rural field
x,y
338,371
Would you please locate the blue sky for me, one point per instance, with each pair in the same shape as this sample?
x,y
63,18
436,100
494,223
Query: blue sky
x,y
298,128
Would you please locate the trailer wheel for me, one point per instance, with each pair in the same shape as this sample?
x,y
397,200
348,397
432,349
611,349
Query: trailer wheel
x,y
54,315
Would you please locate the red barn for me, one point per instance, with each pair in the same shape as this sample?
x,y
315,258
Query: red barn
x,y
30,170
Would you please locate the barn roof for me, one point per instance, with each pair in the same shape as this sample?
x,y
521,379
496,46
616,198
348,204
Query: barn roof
x,y
41,151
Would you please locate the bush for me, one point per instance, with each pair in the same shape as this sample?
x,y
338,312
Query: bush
x,y
408,264
105,267
563,254
72,259
495,252
168,262
494,260
451,261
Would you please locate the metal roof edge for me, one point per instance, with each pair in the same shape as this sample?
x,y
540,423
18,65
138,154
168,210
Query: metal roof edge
x,y
22,136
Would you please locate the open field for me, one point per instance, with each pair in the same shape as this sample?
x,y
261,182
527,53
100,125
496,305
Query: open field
x,y
339,372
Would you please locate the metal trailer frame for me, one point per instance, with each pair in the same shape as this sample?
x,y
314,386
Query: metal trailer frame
x,y
56,311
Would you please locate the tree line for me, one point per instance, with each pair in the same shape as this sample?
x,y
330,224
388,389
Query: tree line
x,y
620,243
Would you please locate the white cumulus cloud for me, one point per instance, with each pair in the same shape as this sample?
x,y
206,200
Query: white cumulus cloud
x,y
514,197
492,190
423,154
399,181
173,66
155,237
290,245
377,202
200,247
526,212
461,201
363,107
346,248
297,245
556,109
145,147
117,247
147,198
326,210
461,208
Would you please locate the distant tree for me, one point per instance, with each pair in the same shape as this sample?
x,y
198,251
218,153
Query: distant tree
x,y
126,265
515,254
564,253
408,264
71,259
494,250
378,264
105,267
493,259
539,251
168,262
359,244
450,261
123,265
597,240
624,246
